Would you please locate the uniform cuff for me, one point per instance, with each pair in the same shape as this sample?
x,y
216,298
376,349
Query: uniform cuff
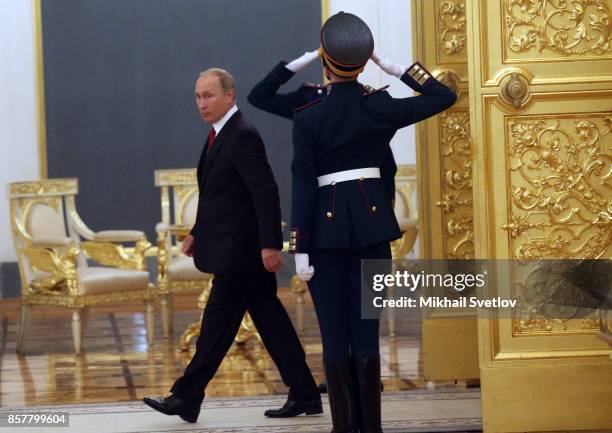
x,y
417,77
281,73
298,242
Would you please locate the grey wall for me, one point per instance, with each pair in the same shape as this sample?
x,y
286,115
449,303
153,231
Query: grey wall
x,y
119,80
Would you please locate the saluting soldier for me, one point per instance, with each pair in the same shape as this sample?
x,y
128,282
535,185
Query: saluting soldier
x,y
341,212
266,97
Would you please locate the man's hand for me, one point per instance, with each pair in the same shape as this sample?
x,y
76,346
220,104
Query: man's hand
x,y
301,62
271,259
187,246
302,267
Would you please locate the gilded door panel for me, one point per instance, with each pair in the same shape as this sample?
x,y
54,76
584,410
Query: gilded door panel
x,y
541,118
553,36
551,196
444,155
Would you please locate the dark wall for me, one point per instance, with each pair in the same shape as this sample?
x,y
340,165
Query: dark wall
x,y
119,81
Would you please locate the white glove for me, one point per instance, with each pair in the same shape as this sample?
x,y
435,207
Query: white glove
x,y
302,268
388,65
301,62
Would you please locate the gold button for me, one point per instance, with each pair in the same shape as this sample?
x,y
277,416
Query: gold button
x,y
333,183
329,214
361,178
373,208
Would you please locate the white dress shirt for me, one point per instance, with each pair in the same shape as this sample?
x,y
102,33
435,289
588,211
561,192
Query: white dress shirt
x,y
219,124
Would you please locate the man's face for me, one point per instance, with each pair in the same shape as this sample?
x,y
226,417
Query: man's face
x,y
211,100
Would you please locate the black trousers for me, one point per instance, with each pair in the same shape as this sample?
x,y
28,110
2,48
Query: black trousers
x,y
230,297
336,293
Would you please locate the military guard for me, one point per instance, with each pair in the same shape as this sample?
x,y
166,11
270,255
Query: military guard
x,y
265,96
341,212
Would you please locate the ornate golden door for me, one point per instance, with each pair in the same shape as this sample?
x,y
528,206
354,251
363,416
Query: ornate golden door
x,y
444,158
541,118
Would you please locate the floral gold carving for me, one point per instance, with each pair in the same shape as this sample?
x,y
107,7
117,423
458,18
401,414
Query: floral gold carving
x,y
452,27
456,198
561,187
563,27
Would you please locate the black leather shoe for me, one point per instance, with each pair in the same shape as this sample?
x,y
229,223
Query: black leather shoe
x,y
295,408
172,405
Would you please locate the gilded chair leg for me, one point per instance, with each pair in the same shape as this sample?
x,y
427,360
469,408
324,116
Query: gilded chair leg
x,y
24,321
300,314
77,330
150,320
391,313
166,307
84,321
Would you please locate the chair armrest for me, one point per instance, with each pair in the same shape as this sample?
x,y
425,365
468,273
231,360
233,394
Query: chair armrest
x,y
181,231
161,228
119,236
410,231
53,242
408,224
114,255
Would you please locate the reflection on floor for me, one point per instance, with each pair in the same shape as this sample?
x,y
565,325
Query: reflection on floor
x,y
117,365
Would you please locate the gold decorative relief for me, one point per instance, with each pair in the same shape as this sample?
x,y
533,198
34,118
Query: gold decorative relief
x,y
58,268
561,186
456,201
175,177
111,254
562,27
451,31
44,187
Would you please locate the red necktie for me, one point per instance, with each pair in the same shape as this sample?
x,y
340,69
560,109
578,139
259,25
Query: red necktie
x,y
211,138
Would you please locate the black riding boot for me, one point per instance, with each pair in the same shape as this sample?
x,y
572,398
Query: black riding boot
x,y
342,392
367,372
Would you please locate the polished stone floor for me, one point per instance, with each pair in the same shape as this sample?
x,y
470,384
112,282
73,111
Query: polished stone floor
x,y
118,365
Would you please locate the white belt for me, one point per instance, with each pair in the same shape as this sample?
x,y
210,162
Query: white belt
x,y
343,176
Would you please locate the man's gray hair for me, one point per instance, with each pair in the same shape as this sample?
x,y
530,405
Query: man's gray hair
x,y
225,78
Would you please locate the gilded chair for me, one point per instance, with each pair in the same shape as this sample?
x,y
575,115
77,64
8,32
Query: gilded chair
x,y
406,211
53,245
408,219
176,273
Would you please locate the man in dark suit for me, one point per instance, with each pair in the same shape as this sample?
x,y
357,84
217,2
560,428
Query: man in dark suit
x,y
237,237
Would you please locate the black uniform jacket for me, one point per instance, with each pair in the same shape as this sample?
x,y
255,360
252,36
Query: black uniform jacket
x,y
265,96
349,130
238,208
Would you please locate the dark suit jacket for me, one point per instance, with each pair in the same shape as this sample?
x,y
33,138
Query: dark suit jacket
x,y
239,207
